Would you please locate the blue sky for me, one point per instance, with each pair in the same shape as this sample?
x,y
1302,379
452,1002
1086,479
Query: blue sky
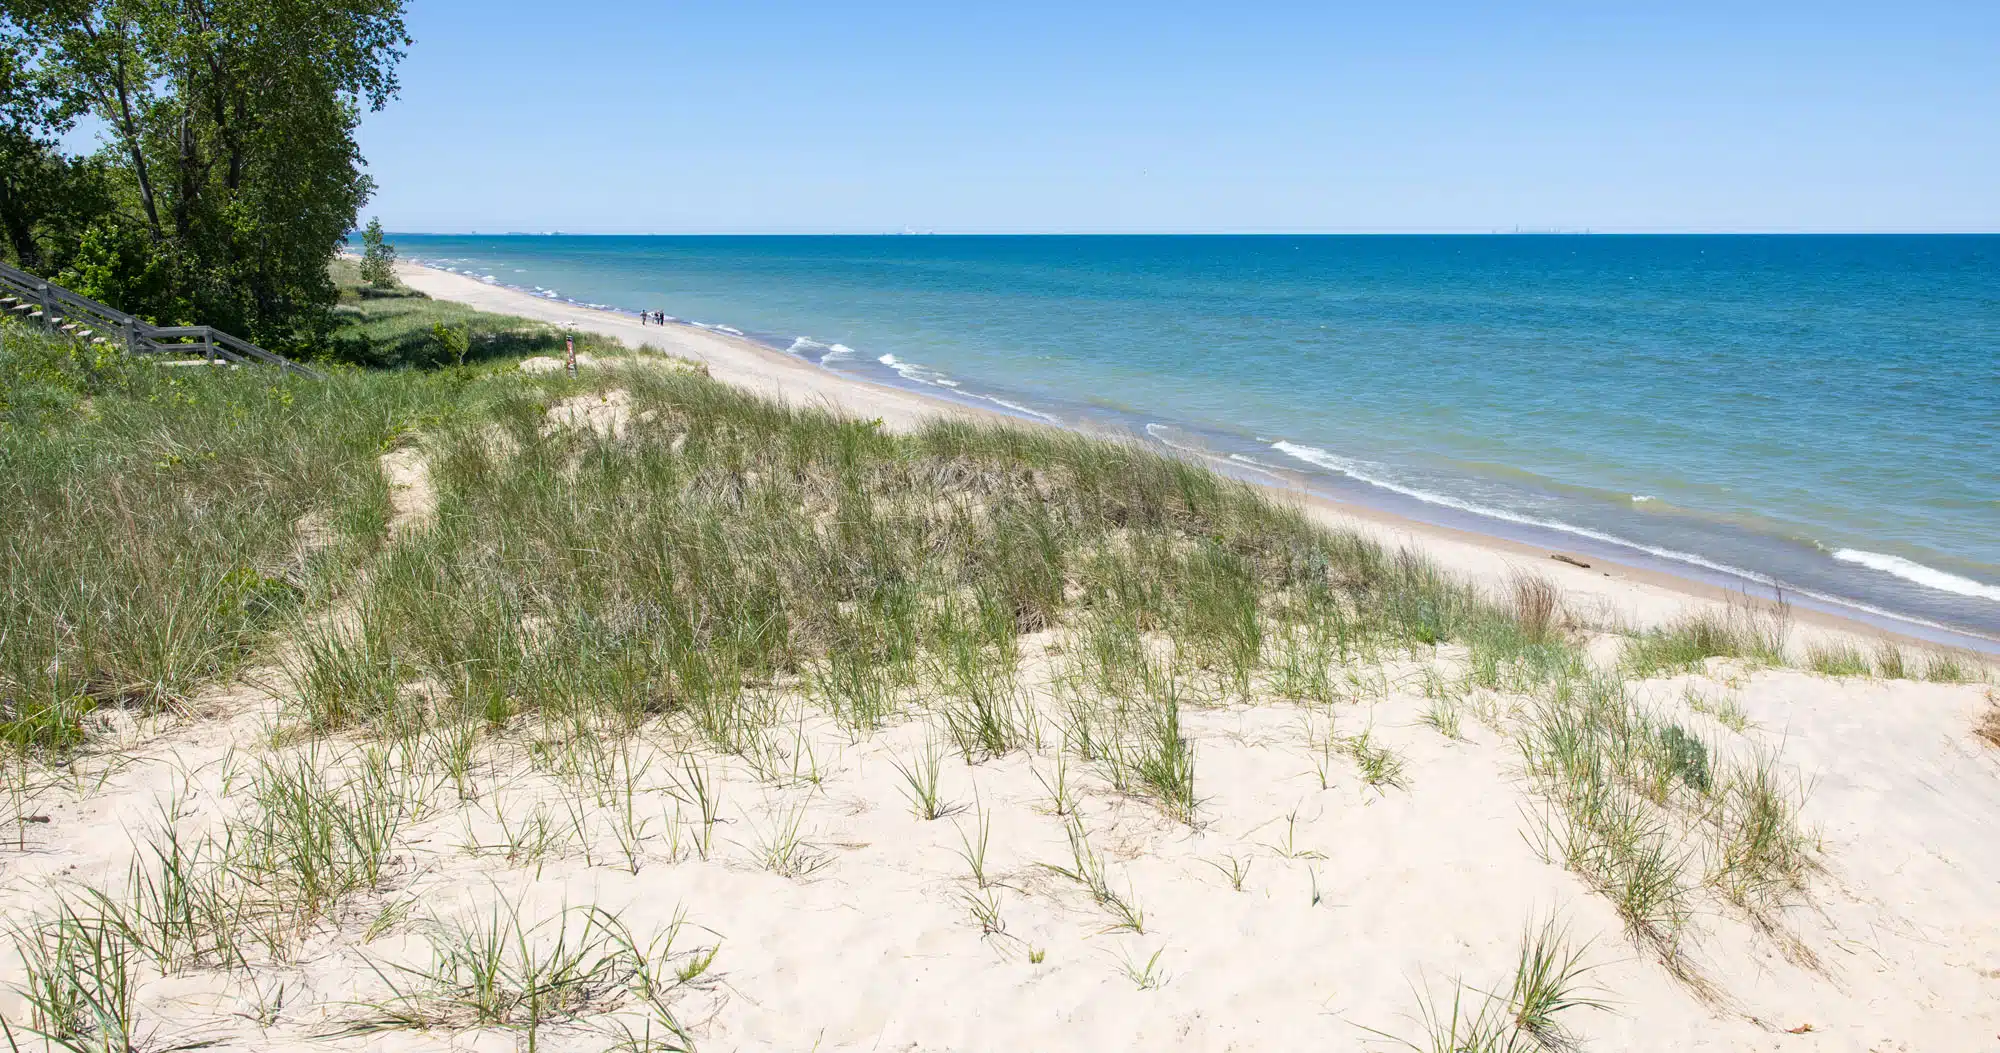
x,y
618,116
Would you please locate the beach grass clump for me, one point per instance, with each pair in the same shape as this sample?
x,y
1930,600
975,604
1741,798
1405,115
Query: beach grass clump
x,y
1743,630
183,905
1504,655
343,676
1550,982
1536,606
1762,850
1087,870
1651,814
81,985
1725,710
1132,728
1378,766
1837,659
1890,663
315,832
1607,767
503,969
1946,667
921,775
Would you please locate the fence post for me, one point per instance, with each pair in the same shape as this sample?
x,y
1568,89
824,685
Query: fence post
x,y
569,353
48,305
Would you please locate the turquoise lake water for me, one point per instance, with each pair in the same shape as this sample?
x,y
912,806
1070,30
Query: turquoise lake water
x,y
1816,412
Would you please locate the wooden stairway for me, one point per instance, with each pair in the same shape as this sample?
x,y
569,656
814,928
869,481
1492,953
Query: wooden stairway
x,y
23,295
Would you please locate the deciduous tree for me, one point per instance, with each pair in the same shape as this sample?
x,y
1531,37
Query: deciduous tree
x,y
228,145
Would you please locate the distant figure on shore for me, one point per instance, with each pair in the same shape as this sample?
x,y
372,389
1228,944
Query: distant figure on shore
x,y
659,317
643,316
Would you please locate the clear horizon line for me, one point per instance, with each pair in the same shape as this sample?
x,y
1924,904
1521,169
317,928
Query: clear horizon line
x,y
1384,232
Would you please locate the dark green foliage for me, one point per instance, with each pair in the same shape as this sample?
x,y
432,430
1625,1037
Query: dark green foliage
x,y
228,172
1686,757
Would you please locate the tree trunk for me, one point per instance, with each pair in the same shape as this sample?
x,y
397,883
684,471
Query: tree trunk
x,y
129,132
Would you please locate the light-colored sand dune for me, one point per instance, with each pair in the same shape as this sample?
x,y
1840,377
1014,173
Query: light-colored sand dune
x,y
860,934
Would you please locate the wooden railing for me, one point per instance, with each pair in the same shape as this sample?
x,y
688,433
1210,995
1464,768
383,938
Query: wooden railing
x,y
23,295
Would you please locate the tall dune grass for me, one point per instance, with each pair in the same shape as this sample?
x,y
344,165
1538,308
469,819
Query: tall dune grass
x,y
154,521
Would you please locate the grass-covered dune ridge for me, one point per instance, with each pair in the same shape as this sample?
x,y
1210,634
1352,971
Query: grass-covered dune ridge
x,y
398,327
758,541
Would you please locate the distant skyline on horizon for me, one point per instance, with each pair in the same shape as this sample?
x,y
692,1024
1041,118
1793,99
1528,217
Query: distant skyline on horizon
x,y
784,118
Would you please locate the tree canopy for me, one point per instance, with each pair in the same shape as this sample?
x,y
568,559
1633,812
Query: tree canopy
x,y
226,173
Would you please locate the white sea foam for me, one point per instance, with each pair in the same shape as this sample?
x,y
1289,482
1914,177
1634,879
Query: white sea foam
x,y
914,372
806,347
1159,434
1015,406
1929,577
1255,466
1640,499
729,330
836,353
1321,458
1353,469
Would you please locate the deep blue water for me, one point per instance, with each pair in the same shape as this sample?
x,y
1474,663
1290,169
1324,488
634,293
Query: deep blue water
x,y
1817,411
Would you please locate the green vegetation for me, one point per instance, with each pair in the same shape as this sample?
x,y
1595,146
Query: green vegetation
x,y
1838,660
1743,631
378,258
503,971
227,171
396,326
1548,983
158,521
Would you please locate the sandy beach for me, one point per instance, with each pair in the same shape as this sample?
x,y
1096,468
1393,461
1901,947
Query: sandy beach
x,y
1344,856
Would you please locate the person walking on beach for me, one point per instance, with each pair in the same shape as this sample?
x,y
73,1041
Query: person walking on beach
x,y
643,315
